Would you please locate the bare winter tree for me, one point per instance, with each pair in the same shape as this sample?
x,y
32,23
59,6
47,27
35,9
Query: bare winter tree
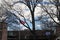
x,y
56,14
31,4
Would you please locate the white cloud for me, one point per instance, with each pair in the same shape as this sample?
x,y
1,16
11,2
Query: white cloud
x,y
0,1
45,0
56,19
38,11
19,6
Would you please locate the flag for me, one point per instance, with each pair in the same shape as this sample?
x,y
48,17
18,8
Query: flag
x,y
22,22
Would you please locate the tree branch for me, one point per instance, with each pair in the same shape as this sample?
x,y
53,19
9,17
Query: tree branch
x,y
50,15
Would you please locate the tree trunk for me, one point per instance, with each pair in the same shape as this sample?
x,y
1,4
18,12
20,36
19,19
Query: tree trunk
x,y
33,20
33,24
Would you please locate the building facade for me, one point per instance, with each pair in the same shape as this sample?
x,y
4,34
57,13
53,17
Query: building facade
x,y
27,35
3,31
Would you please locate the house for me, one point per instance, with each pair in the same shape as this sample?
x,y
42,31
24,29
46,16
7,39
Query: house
x,y
26,34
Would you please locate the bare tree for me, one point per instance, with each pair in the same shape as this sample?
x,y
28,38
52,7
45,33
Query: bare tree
x,y
56,14
31,4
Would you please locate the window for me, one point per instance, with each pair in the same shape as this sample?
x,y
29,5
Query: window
x,y
10,33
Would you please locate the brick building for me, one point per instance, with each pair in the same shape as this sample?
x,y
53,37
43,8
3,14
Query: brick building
x,y
58,32
25,35
3,31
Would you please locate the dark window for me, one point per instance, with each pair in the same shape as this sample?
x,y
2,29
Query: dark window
x,y
10,33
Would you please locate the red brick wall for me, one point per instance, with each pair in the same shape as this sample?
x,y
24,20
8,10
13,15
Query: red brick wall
x,y
4,31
